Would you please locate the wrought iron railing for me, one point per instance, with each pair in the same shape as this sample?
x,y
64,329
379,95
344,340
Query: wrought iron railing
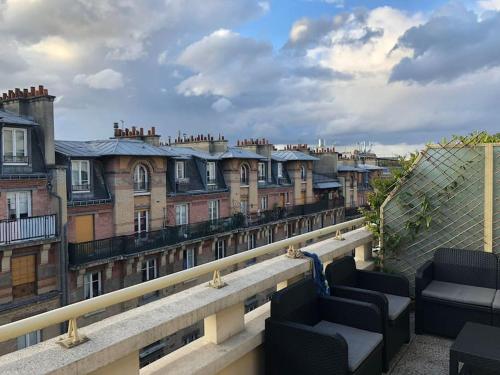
x,y
80,188
80,253
28,228
16,159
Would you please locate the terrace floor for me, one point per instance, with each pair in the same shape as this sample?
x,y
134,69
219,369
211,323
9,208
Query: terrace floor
x,y
424,355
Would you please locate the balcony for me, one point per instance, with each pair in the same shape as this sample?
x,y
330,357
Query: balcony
x,y
80,253
27,229
231,338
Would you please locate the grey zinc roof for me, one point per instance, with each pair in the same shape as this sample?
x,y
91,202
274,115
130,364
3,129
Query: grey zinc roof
x,y
327,185
110,147
12,118
290,155
191,152
350,168
370,167
238,153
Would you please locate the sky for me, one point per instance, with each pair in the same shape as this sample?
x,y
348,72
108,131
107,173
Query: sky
x,y
396,74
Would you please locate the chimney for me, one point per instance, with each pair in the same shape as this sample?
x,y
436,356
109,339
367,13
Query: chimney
x,y
38,105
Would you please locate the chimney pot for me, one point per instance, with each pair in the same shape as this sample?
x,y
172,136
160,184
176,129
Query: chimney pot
x,y
153,130
40,89
33,90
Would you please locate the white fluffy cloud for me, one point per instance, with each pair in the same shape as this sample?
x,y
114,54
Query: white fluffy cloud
x,y
221,105
107,79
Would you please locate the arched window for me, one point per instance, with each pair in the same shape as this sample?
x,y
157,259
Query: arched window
x,y
141,178
244,174
302,173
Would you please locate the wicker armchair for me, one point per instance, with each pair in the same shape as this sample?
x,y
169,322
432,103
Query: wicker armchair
x,y
390,293
455,287
308,334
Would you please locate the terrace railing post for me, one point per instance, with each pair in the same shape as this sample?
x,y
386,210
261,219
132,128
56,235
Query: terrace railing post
x,y
225,323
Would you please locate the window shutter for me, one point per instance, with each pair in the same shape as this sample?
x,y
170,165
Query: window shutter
x,y
23,270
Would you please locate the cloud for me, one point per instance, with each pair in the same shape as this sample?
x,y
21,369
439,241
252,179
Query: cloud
x,y
107,79
452,43
490,4
227,64
222,105
162,58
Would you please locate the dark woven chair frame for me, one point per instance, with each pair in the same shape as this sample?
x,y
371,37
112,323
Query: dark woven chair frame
x,y
446,318
293,346
347,282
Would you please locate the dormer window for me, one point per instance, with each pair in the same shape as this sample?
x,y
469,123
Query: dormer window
x,y
280,170
141,178
80,176
15,146
262,172
211,179
180,170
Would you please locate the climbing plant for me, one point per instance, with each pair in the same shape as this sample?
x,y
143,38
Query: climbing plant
x,y
420,203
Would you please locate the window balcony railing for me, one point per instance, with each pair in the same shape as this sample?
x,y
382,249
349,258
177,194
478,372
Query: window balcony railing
x,y
146,325
28,228
14,159
84,252
80,188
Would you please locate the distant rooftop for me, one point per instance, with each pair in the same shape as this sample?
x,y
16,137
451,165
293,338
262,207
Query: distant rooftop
x,y
290,155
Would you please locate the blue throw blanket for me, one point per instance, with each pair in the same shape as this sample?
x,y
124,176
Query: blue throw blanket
x,y
318,276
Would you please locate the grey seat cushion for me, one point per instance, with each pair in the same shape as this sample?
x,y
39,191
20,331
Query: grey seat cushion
x,y
496,301
472,295
360,343
397,305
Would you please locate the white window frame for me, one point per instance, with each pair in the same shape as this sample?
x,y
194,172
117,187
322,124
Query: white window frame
x,y
244,206
303,173
180,170
220,249
16,196
280,170
137,176
264,203
179,214
150,267
213,209
29,339
244,174
211,172
261,172
14,144
252,241
138,218
79,163
88,280
190,260
270,236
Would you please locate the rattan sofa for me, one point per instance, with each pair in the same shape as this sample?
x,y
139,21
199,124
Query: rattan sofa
x,y
455,287
309,334
390,293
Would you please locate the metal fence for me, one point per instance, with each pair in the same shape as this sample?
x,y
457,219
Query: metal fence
x,y
29,228
84,252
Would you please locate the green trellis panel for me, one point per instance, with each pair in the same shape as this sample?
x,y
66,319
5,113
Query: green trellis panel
x,y
457,214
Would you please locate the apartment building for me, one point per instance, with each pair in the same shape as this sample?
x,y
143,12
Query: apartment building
x,y
31,277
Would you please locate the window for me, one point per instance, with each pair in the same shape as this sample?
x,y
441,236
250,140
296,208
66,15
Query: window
x,y
23,276
189,260
29,339
303,173
244,206
270,235
181,214
309,225
80,176
289,230
211,175
149,270
251,241
352,199
15,146
19,204
179,170
244,174
263,203
262,172
280,170
92,284
141,221
220,249
141,178
213,210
